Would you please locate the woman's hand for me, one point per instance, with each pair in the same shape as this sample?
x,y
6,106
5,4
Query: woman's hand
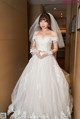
x,y
34,51
42,54
37,52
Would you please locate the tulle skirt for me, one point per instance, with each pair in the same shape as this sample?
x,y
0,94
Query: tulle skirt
x,y
42,92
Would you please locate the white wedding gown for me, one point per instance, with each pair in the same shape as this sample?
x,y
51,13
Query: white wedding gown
x,y
42,91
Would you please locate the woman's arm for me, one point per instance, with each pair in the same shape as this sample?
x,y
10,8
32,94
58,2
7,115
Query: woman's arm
x,y
33,49
55,43
55,47
33,43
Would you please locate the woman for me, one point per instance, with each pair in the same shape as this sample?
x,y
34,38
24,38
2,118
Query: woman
x,y
42,91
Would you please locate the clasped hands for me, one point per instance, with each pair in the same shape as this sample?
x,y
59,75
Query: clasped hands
x,y
40,54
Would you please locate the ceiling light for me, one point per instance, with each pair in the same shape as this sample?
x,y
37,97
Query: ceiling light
x,y
54,8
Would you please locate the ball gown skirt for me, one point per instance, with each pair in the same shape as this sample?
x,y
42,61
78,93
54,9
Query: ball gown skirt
x,y
42,91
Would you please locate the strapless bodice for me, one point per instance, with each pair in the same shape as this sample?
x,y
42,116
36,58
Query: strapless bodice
x,y
44,43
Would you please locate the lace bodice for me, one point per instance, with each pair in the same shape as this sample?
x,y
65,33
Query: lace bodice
x,y
44,43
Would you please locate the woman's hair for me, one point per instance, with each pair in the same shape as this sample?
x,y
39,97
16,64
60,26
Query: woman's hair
x,y
45,16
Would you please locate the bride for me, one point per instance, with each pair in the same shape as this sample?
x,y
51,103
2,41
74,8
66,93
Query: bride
x,y
42,92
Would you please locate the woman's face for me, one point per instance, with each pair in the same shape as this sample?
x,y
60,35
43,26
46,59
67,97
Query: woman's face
x,y
43,24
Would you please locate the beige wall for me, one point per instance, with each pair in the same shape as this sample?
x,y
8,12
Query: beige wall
x,y
77,77
13,46
77,80
73,49
74,63
70,50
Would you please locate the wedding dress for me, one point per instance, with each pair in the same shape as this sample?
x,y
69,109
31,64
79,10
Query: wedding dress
x,y
42,92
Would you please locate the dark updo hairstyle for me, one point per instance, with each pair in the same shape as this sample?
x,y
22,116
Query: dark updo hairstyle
x,y
45,16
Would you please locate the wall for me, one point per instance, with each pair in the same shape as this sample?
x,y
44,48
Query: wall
x,y
73,46
68,38
75,64
33,11
74,57
77,81
77,76
13,46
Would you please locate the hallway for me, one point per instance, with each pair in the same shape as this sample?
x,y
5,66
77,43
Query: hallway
x,y
16,17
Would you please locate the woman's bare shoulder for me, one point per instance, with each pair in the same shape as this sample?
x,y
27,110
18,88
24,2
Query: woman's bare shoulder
x,y
53,33
36,32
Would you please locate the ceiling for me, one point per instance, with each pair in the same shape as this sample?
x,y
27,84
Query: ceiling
x,y
56,7
58,10
46,1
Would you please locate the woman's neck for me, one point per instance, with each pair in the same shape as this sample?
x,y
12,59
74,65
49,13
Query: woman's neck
x,y
45,30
